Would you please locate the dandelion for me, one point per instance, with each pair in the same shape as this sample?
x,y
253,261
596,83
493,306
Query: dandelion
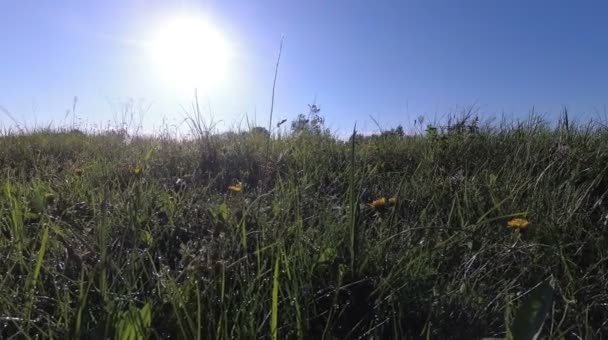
x,y
136,170
518,224
236,188
378,203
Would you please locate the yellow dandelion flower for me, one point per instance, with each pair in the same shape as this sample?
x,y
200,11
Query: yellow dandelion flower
x,y
392,201
378,203
236,188
518,223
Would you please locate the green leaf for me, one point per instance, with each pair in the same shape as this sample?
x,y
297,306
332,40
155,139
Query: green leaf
x,y
146,237
148,154
328,254
37,203
224,211
531,314
134,324
145,314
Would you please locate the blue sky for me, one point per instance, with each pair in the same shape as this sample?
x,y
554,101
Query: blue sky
x,y
391,60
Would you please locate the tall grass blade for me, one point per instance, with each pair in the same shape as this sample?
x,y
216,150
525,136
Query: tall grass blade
x,y
274,318
31,283
274,86
83,293
353,205
39,259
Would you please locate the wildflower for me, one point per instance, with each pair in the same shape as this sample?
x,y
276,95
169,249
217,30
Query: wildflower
x,y
378,203
392,201
236,188
518,224
78,172
136,170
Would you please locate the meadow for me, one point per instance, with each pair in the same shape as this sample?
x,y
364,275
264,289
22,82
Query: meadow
x,y
471,231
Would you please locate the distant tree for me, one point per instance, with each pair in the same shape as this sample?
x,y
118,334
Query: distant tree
x,y
466,123
358,138
313,122
260,130
396,132
399,131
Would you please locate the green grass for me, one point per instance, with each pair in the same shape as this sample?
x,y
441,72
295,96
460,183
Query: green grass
x,y
91,249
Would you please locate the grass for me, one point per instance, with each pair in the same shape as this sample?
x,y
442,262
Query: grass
x,y
107,239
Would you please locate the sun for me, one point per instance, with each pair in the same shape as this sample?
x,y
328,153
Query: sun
x,y
190,52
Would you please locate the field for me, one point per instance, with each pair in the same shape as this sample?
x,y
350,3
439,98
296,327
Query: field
x,y
305,236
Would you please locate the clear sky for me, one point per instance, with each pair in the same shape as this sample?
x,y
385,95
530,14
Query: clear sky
x,y
392,60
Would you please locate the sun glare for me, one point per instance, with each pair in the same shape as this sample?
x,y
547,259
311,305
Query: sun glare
x,y
189,52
